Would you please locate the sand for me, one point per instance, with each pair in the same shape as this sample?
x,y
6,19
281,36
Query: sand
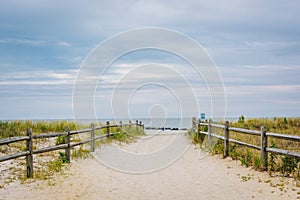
x,y
189,177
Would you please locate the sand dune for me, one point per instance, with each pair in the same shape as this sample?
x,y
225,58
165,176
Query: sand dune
x,y
188,178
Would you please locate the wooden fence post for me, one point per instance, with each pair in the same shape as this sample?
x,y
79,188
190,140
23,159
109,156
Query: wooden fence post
x,y
68,149
29,158
107,129
136,124
210,138
264,144
198,128
209,127
92,137
193,124
226,140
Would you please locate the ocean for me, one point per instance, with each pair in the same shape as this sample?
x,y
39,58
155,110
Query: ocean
x,y
180,123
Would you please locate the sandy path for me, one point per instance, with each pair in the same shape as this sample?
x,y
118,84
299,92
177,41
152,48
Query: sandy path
x,y
188,178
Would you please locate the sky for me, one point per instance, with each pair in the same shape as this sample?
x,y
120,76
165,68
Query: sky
x,y
255,46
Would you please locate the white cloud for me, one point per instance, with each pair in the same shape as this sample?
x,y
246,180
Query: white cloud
x,y
272,67
6,83
62,43
24,41
44,77
34,42
272,44
257,90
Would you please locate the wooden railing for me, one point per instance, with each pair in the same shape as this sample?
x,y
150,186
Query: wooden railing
x,y
28,153
263,148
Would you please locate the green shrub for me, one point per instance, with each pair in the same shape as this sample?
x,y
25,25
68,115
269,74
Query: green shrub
x,y
289,165
241,119
233,152
273,158
80,153
246,158
257,162
62,156
60,140
219,147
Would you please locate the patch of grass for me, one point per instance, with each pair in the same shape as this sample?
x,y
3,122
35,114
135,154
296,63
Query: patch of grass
x,y
62,156
287,166
245,178
46,171
257,162
219,147
80,153
19,127
272,159
120,136
195,137
52,167
233,152
55,166
246,158
60,140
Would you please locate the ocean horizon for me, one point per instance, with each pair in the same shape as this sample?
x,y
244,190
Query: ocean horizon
x,y
172,122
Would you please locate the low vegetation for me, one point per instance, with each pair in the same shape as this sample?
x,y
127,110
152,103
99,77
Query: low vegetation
x,y
19,127
50,163
284,165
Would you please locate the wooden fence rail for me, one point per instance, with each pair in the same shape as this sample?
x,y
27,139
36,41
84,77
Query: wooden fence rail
x,y
29,152
263,148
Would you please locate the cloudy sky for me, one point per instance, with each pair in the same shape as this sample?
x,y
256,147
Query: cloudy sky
x,y
254,44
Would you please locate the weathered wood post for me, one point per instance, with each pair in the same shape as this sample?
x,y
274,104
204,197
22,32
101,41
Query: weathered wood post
x,y
210,138
136,124
263,151
107,129
92,137
226,140
68,149
121,124
193,124
29,157
198,129
209,127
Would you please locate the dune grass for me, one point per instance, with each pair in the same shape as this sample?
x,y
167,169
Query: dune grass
x,y
19,127
285,165
54,161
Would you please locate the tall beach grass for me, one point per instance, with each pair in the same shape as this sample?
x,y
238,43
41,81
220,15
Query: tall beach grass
x,y
284,165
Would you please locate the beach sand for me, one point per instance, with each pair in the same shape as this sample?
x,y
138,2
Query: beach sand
x,y
190,177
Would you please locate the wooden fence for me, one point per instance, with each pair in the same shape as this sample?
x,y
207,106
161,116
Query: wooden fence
x,y
263,148
28,153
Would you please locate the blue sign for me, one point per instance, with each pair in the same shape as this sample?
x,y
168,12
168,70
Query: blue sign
x,y
202,116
